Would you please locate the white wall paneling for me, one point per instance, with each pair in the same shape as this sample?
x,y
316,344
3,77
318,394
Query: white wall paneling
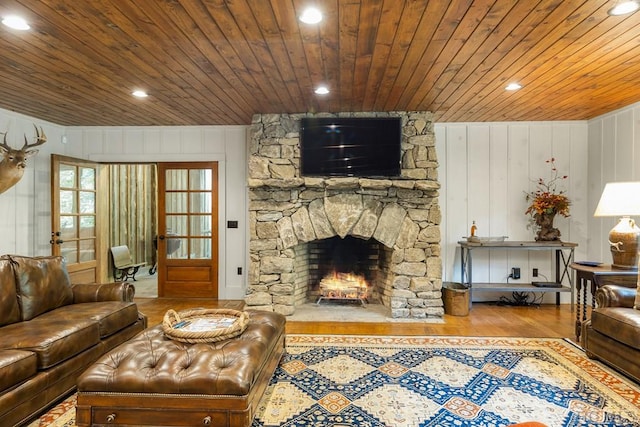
x,y
578,189
498,187
236,209
454,180
488,168
25,208
485,168
478,192
613,155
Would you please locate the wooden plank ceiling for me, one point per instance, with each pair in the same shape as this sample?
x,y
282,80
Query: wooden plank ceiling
x,y
219,62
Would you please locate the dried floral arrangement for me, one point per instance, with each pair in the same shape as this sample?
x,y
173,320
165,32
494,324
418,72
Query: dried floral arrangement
x,y
545,203
547,199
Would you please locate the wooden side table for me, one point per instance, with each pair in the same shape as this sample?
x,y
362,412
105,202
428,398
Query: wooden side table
x,y
564,252
593,277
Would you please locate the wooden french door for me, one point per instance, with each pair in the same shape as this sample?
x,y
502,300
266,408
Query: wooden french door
x,y
76,215
187,241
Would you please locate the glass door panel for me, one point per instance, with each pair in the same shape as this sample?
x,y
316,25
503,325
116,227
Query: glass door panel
x,y
87,178
188,229
67,176
177,248
74,215
67,202
176,203
177,225
87,250
201,248
176,180
200,203
68,229
200,225
87,202
87,226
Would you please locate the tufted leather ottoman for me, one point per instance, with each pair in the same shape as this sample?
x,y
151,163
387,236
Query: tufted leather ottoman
x,y
154,381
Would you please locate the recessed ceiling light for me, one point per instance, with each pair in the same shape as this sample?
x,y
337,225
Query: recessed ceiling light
x,y
624,8
322,90
513,86
139,94
15,22
311,15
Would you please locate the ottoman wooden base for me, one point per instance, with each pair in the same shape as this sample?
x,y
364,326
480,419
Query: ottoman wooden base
x,y
111,403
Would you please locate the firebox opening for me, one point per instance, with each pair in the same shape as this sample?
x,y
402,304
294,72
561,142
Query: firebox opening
x,y
345,269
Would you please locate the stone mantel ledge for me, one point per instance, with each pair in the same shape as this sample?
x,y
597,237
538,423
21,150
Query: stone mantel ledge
x,y
345,183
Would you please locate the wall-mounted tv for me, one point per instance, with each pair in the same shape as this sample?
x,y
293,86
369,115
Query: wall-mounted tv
x,y
361,147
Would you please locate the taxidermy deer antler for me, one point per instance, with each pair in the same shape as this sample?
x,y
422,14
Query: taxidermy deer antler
x,y
14,161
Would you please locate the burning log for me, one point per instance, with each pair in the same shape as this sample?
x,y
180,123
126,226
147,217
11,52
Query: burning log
x,y
344,286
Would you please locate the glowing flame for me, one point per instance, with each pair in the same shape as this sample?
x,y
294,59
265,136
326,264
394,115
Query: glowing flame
x,y
344,285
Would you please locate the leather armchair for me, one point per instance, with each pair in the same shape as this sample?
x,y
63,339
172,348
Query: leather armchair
x,y
612,335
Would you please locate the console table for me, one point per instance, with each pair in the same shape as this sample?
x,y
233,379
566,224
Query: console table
x,y
591,278
564,252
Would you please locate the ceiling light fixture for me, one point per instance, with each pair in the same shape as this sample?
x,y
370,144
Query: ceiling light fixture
x,y
16,22
624,8
321,90
513,86
311,15
139,94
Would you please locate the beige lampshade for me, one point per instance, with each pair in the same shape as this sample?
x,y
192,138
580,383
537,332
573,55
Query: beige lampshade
x,y
619,199
622,199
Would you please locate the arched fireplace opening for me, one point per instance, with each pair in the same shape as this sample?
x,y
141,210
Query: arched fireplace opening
x,y
346,268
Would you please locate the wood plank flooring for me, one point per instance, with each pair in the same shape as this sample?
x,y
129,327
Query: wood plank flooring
x,y
484,319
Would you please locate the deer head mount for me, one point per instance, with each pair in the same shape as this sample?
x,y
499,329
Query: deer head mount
x,y
14,161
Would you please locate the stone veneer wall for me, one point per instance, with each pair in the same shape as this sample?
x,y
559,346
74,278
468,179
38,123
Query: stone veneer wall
x,y
286,211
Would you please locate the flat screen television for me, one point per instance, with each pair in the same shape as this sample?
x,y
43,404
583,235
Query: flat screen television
x,y
360,147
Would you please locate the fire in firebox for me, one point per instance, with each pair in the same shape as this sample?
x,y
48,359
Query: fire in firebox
x,y
344,286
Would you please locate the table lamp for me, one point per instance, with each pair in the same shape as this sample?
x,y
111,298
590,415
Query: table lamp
x,y
622,199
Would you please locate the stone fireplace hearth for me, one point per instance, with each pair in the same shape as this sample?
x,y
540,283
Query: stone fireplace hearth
x,y
288,213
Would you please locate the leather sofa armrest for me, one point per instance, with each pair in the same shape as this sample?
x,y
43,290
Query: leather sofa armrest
x,y
95,292
144,319
615,296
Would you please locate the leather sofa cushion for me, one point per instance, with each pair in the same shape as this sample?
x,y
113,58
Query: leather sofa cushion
x,y
52,338
9,309
42,284
619,323
15,367
111,316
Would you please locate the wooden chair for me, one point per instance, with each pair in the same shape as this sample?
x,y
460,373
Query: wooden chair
x,y
124,267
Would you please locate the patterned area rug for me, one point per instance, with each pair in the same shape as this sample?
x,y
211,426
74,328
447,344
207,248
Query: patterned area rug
x,y
340,381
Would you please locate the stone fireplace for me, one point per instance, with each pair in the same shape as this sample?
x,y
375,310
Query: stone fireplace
x,y
292,218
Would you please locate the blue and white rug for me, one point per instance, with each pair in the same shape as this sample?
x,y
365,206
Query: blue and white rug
x,y
340,381
337,381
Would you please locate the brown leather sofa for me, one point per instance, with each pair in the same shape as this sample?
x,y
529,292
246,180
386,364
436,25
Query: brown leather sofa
x,y
612,335
51,331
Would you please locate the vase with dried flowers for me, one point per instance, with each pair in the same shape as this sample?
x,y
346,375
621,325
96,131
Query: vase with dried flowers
x,y
546,202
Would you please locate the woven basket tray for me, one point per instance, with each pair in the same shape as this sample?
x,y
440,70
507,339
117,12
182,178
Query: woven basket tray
x,y
172,317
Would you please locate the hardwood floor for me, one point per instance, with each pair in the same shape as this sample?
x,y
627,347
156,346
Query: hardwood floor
x,y
484,319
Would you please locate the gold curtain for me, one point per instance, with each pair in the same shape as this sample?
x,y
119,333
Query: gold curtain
x,y
133,219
